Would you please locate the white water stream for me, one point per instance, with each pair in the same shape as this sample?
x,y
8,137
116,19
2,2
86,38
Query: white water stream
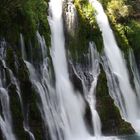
x,y
95,71
71,107
5,116
124,95
90,92
70,102
135,72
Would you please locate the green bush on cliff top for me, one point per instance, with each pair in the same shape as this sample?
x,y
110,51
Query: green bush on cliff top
x,y
24,16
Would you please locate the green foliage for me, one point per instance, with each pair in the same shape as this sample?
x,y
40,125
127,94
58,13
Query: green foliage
x,y
104,2
10,59
35,12
86,11
87,30
119,13
133,35
117,10
9,12
112,123
9,8
120,35
122,15
25,16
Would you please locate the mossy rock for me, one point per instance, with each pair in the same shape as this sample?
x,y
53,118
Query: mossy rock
x,y
23,16
86,31
10,58
35,120
112,122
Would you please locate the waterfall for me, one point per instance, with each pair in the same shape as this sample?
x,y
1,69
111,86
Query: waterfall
x,y
135,72
116,70
90,91
48,99
5,121
7,127
136,81
25,115
70,102
23,51
5,117
66,111
42,44
70,17
93,71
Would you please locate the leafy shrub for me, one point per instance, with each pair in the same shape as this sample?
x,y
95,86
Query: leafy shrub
x,y
117,10
25,16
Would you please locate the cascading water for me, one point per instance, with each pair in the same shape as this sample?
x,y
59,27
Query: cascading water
x,y
95,71
70,17
90,92
135,72
5,121
62,109
42,44
117,73
25,115
5,117
5,98
23,52
48,99
71,106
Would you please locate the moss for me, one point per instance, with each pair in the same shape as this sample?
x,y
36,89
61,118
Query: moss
x,y
118,20
35,12
16,109
35,120
126,27
112,123
10,58
86,31
9,19
133,34
120,35
24,16
28,16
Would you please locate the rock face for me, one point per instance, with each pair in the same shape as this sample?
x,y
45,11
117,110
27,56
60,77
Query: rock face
x,y
21,94
112,122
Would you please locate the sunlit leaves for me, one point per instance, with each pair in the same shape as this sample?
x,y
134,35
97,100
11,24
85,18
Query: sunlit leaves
x,y
117,9
86,10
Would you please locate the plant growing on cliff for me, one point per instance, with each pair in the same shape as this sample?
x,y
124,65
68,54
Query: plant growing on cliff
x,y
117,9
87,30
86,11
24,16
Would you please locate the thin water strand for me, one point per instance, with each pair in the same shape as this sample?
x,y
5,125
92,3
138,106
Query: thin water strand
x,y
126,97
25,116
23,51
95,71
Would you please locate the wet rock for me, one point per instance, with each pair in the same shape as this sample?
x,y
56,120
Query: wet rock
x,y
112,122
